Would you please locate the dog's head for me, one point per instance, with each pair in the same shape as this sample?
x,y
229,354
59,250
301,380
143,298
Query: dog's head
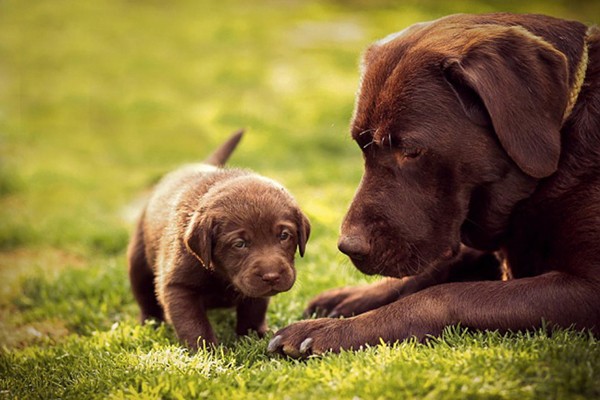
x,y
247,230
458,119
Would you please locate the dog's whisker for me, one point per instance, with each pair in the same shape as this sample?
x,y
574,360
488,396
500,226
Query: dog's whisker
x,y
414,251
474,223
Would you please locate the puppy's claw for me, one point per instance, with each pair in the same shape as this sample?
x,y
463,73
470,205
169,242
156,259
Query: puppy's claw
x,y
274,344
306,345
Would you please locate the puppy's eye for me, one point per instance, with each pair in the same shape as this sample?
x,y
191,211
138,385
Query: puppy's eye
x,y
240,244
284,235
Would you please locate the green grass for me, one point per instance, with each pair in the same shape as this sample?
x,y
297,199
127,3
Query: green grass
x,y
98,99
132,361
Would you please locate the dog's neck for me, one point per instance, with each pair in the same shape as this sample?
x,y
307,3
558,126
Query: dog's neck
x,y
580,73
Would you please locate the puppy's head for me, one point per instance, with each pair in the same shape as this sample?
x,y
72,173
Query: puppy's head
x,y
247,230
457,121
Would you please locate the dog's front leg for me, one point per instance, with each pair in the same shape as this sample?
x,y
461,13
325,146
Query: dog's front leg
x,y
353,300
559,299
184,307
349,301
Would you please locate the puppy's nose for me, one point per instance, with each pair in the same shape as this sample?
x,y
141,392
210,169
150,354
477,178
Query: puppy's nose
x,y
271,277
354,246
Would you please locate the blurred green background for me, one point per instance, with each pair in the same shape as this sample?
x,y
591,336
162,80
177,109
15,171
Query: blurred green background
x,y
98,99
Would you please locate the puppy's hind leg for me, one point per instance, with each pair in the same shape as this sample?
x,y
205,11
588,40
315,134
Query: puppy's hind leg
x,y
142,279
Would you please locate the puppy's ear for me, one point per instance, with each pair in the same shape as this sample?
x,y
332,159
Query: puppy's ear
x,y
198,238
519,82
303,231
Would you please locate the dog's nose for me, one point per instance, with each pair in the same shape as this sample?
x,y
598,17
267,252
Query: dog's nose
x,y
353,246
271,277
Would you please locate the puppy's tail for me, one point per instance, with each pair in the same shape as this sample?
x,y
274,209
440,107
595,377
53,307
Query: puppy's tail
x,y
222,154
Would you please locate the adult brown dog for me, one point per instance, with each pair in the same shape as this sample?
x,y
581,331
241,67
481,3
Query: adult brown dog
x,y
480,134
213,237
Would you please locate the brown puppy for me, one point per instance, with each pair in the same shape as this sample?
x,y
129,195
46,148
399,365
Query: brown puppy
x,y
212,237
481,137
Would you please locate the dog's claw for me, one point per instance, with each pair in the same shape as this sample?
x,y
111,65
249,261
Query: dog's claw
x,y
274,344
306,345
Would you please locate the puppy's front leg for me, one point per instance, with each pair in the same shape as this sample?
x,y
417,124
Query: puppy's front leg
x,y
186,311
251,316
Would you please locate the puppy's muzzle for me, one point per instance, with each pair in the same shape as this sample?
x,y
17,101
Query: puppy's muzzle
x,y
274,280
270,278
267,279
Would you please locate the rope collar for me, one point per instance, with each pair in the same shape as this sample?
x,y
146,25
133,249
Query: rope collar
x,y
579,78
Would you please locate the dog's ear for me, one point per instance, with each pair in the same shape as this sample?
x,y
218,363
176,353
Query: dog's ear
x,y
199,237
303,231
519,83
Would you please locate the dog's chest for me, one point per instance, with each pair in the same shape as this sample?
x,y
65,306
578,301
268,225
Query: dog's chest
x,y
530,249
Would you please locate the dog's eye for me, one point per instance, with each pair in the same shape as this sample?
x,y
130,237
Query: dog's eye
x,y
408,154
412,152
285,235
240,244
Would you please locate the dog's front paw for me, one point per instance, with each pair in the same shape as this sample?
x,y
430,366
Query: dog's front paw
x,y
329,303
306,338
350,301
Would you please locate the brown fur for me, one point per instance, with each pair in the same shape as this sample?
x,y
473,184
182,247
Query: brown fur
x,y
471,159
212,237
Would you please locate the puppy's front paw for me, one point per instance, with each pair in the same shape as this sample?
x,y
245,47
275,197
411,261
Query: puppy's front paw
x,y
318,336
